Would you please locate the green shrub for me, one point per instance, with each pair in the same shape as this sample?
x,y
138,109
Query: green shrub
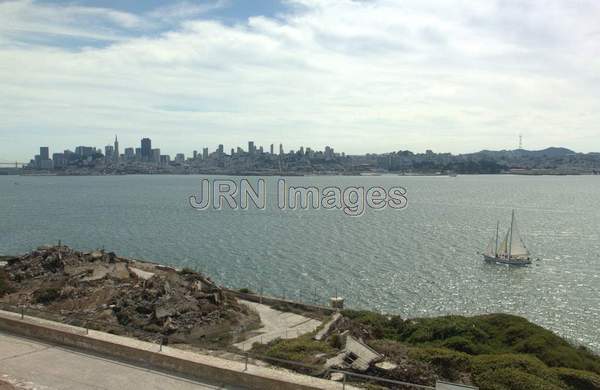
x,y
524,363
301,349
246,290
577,379
336,341
448,363
46,295
512,379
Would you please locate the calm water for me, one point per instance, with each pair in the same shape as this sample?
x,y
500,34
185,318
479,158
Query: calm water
x,y
419,261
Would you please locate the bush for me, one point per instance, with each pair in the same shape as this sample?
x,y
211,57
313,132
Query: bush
x,y
4,285
577,379
448,363
46,296
246,290
523,363
512,378
302,350
336,341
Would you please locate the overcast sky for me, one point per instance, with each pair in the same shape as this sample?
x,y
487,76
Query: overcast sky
x,y
361,76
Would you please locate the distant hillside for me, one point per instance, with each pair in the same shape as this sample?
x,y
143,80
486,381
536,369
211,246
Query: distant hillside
x,y
548,152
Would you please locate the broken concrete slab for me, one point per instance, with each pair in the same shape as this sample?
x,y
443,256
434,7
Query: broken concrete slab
x,y
141,274
356,355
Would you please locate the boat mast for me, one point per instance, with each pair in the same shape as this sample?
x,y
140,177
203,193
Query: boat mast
x,y
496,249
512,220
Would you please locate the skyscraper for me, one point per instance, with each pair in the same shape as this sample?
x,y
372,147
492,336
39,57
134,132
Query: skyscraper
x,y
44,153
251,149
146,149
116,151
272,149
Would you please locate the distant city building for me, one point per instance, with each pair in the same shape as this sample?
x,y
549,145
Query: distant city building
x,y
85,151
155,155
281,149
251,147
146,149
109,151
205,154
164,159
116,154
180,157
44,153
195,154
59,160
129,154
272,148
138,154
47,164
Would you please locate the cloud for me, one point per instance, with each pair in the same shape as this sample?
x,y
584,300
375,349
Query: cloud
x,y
361,76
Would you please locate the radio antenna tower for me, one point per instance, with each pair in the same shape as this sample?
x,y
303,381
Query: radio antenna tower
x,y
520,141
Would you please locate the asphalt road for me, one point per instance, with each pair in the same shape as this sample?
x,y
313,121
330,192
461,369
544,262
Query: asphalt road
x,y
29,364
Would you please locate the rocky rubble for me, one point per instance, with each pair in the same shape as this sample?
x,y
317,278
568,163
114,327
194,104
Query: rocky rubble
x,y
101,290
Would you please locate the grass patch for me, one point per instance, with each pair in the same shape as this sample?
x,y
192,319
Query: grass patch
x,y
302,350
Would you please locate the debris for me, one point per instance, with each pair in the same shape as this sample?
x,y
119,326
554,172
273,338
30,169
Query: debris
x,y
106,290
145,275
356,355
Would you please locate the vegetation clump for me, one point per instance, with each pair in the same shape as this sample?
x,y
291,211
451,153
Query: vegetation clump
x,y
4,284
495,351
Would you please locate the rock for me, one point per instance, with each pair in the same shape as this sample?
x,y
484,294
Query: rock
x,y
386,365
141,274
96,255
164,311
337,376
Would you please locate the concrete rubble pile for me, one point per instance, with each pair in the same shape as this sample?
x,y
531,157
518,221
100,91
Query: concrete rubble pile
x,y
114,293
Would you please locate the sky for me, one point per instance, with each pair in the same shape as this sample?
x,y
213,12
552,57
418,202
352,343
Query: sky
x,y
361,76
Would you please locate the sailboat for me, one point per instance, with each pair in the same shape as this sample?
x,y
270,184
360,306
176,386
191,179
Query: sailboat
x,y
511,250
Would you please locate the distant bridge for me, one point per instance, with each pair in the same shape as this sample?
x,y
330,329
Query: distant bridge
x,y
15,164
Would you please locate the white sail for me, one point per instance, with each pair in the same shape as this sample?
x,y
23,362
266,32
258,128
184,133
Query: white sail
x,y
517,246
503,247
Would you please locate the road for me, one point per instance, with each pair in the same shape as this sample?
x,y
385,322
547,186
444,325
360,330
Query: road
x,y
29,364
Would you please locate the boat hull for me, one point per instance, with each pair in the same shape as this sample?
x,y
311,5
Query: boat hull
x,y
513,261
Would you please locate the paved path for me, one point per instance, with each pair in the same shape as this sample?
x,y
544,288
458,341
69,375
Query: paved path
x,y
29,364
277,324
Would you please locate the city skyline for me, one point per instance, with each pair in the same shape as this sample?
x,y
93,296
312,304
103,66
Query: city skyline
x,y
456,77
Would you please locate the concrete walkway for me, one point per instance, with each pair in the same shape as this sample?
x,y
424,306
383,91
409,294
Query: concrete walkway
x,y
29,364
277,324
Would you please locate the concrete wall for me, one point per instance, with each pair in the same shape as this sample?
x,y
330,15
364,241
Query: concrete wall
x,y
186,363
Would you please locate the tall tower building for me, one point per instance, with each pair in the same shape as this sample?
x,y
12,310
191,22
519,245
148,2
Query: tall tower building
x,y
44,153
116,152
272,149
146,149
